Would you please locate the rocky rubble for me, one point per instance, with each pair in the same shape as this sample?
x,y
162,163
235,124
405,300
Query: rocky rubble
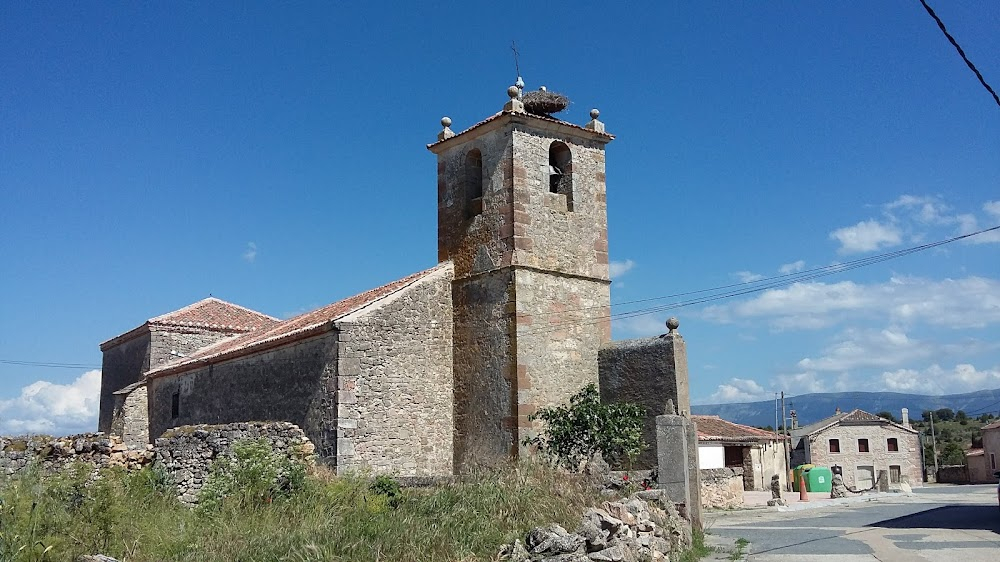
x,y
644,527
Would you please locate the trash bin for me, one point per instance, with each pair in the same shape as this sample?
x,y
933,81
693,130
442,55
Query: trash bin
x,y
798,473
819,479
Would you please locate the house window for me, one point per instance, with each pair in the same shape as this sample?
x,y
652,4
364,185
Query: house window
x,y
894,473
175,405
892,444
862,445
734,457
835,445
473,183
561,172
993,462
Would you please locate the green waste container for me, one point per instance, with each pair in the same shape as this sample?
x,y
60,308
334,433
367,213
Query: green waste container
x,y
819,479
797,473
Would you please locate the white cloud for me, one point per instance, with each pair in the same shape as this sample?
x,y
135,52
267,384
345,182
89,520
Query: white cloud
x,y
748,276
936,380
992,208
794,267
967,224
970,302
251,252
866,236
924,209
618,268
55,409
738,390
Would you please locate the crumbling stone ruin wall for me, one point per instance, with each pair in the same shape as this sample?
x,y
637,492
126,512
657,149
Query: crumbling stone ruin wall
x,y
51,454
187,452
649,372
722,488
394,382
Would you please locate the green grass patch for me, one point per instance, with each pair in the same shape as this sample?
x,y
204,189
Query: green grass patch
x,y
134,517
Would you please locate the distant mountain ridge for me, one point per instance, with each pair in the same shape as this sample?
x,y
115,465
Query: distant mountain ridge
x,y
814,407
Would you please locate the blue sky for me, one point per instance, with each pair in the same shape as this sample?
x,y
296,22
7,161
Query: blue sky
x,y
153,154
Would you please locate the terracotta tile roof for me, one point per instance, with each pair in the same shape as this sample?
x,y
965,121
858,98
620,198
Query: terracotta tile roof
x,y
304,325
500,114
714,428
214,313
207,314
860,416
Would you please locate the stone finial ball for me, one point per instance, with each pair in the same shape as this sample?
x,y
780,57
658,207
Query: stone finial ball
x,y
446,121
513,92
594,114
673,323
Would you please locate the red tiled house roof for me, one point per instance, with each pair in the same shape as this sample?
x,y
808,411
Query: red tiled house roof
x,y
282,332
207,314
714,428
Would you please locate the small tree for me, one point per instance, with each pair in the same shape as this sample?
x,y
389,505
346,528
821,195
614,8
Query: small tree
x,y
886,415
575,432
944,414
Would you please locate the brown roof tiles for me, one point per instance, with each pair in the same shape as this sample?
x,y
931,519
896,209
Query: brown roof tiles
x,y
714,428
281,332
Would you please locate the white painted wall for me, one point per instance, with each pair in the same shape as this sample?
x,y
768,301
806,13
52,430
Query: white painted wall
x,y
711,455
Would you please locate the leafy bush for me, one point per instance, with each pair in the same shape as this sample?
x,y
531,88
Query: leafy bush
x,y
387,487
575,432
253,476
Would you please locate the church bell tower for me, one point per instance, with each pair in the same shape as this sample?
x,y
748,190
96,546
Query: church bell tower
x,y
522,214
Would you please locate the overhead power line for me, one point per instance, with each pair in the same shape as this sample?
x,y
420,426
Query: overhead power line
x,y
961,52
49,364
739,289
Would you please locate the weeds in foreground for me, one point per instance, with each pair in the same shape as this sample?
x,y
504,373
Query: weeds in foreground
x,y
134,517
741,545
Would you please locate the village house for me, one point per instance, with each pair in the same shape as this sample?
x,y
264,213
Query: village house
x,y
724,444
442,369
983,463
861,445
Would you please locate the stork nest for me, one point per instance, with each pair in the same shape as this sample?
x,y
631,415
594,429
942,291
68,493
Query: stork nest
x,y
544,102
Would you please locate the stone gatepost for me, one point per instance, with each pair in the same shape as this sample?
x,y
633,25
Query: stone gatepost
x,y
677,462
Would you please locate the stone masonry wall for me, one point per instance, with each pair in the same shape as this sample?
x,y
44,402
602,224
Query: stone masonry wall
x,y
131,416
55,453
121,366
557,341
722,488
169,343
395,383
647,372
483,368
547,235
879,457
187,452
293,383
476,243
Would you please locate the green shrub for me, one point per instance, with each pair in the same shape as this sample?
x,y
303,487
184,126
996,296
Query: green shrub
x,y
387,487
575,432
253,476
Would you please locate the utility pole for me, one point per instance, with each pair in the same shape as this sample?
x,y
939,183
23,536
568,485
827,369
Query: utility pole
x,y
934,446
787,443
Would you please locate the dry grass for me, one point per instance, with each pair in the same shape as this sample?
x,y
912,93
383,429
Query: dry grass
x,y
134,518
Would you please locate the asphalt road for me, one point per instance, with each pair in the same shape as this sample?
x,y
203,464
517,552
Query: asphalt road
x,y
936,523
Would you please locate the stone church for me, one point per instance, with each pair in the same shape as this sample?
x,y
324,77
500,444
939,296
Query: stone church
x,y
439,370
